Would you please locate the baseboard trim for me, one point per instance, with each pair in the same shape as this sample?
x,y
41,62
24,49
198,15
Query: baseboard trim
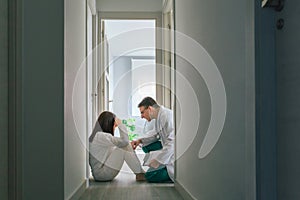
x,y
79,191
183,192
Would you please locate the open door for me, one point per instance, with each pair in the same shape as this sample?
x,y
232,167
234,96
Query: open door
x,y
103,83
168,55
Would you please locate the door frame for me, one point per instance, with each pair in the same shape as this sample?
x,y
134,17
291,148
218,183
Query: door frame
x,y
91,96
168,60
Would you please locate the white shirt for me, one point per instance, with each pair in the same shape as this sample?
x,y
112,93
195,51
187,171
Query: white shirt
x,y
164,130
103,145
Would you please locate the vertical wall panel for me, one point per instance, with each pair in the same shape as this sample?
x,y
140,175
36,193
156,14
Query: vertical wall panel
x,y
3,99
265,72
288,93
43,98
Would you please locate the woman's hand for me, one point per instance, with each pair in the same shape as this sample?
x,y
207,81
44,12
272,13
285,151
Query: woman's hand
x,y
118,121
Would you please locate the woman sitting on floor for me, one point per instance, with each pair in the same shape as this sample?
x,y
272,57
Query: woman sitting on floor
x,y
108,153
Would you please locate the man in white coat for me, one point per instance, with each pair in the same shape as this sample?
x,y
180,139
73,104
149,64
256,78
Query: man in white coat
x,y
159,143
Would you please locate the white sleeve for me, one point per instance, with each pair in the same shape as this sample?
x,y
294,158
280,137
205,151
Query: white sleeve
x,y
152,136
123,140
166,154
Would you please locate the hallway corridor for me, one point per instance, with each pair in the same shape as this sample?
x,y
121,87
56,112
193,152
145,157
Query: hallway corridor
x,y
229,71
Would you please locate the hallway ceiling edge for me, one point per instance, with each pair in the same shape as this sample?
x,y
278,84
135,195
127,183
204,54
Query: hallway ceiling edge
x,y
129,5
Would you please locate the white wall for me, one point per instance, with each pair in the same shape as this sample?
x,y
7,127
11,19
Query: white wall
x,y
4,99
129,5
221,29
124,37
75,96
122,84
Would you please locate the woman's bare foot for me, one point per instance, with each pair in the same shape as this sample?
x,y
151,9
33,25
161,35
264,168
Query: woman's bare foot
x,y
140,177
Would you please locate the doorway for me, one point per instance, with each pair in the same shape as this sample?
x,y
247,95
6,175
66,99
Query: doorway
x,y
128,53
131,60
130,73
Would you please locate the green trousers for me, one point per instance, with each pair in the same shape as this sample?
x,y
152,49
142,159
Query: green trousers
x,y
156,175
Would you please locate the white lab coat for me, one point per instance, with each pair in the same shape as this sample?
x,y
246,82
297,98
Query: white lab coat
x,y
108,153
164,130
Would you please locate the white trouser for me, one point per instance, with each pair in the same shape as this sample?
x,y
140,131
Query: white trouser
x,y
114,163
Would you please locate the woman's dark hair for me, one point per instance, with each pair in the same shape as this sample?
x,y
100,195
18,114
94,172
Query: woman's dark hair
x,y
106,120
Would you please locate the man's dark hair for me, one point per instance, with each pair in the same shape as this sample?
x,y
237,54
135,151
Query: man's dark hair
x,y
147,101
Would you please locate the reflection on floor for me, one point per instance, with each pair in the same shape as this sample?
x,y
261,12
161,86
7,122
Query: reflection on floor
x,y
125,187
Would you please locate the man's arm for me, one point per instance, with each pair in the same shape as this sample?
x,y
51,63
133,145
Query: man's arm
x,y
150,138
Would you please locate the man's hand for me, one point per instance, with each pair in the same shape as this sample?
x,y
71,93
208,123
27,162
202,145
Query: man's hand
x,y
135,143
154,164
